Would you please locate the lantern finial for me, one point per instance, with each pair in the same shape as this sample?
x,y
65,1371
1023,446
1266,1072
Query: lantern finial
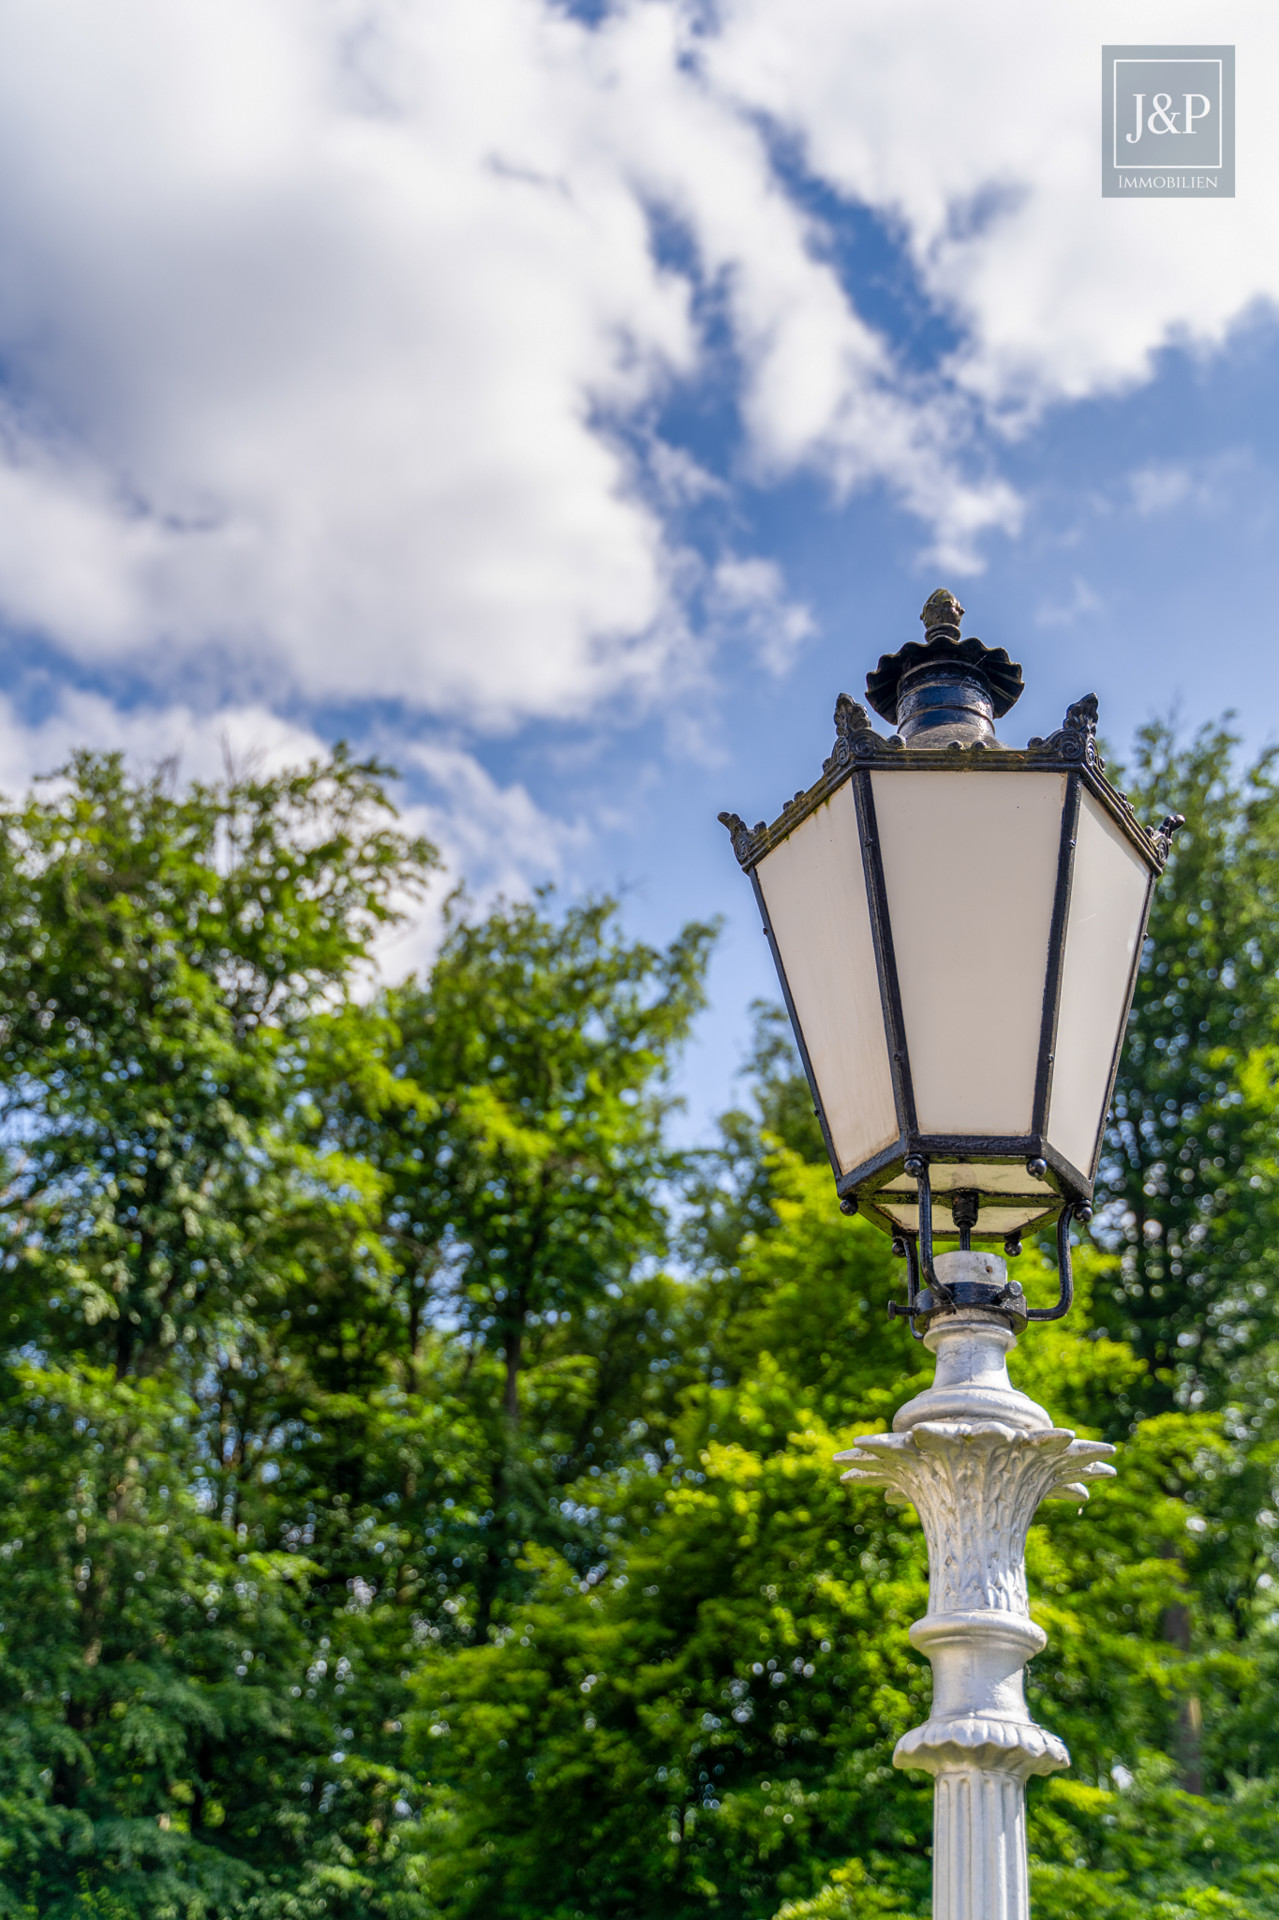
x,y
941,609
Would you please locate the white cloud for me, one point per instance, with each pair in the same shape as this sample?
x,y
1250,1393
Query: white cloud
x,y
313,311
751,594
335,330
498,837
976,131
319,319
1066,613
1198,486
1158,487
200,745
495,839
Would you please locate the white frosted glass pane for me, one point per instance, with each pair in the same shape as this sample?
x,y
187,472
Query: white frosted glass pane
x,y
814,889
970,868
992,1222
1107,907
957,1177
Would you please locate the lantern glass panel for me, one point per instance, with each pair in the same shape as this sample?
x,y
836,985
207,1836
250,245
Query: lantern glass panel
x,y
993,1223
1107,913
962,1175
814,889
970,870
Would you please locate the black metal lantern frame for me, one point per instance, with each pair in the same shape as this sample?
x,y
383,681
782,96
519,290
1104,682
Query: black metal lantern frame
x,y
1049,1188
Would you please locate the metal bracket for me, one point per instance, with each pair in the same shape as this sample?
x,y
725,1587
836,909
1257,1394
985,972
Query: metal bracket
x,y
918,1166
1065,1271
919,1253
906,1245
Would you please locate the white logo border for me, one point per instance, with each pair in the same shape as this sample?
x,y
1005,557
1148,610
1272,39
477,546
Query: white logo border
x,y
1168,166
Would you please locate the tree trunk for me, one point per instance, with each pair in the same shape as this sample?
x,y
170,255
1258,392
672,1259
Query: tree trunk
x,y
513,1353
1188,1734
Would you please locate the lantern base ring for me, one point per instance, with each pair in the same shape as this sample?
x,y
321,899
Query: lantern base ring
x,y
985,1286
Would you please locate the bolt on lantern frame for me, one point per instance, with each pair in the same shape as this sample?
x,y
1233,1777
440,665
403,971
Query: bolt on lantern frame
x,y
957,928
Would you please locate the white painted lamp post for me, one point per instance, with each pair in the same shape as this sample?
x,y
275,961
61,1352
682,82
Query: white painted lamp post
x,y
957,927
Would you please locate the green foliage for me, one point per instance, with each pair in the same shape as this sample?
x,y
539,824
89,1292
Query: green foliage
x,y
697,1722
851,1893
172,1746
145,1738
416,1495
283,1269
1189,1165
516,1129
1151,1849
707,1725
162,956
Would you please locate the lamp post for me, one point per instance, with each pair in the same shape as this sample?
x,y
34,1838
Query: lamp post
x,y
957,927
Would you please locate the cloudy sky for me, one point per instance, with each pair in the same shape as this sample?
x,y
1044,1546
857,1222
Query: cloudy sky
x,y
569,400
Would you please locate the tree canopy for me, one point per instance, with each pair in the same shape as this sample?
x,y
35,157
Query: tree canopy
x,y
416,1493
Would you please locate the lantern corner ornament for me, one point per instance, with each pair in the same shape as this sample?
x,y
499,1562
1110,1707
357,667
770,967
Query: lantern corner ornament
x,y
957,927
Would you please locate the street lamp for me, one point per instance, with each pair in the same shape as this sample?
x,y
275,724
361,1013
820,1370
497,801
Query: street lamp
x,y
957,927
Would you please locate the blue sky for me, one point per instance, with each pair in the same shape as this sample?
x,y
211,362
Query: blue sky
x,y
569,402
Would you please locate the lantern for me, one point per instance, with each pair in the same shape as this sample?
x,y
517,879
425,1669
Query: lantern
x,y
957,927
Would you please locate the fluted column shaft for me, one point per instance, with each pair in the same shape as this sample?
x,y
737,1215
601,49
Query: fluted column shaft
x,y
979,1846
975,1458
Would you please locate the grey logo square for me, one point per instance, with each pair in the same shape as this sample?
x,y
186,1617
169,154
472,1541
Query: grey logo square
x,y
1168,122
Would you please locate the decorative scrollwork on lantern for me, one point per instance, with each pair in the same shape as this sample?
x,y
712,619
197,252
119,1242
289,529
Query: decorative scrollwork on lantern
x,y
746,840
855,736
1161,836
1076,738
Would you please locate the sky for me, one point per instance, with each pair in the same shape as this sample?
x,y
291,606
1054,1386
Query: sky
x,y
566,402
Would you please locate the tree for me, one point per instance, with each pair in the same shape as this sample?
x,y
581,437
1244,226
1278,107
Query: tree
x,y
517,1124
163,954
703,1725
176,1728
415,1479
1187,1183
